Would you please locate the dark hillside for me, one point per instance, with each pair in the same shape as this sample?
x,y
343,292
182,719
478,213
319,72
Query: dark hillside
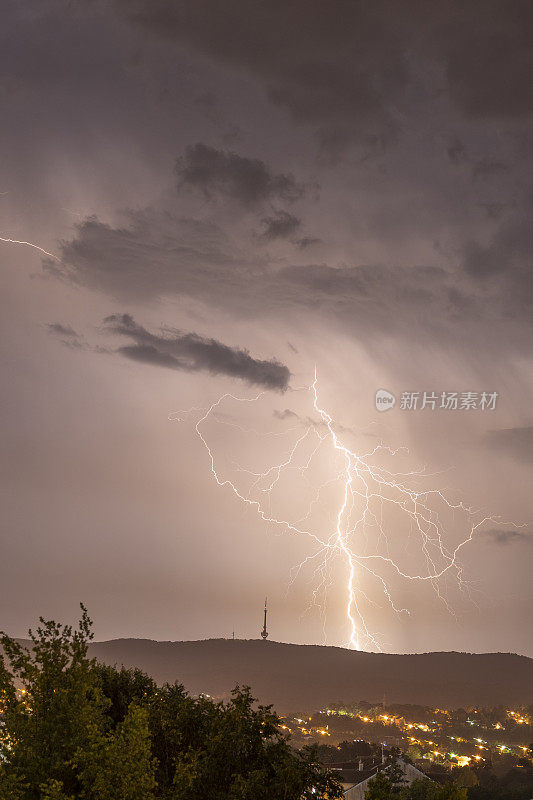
x,y
307,676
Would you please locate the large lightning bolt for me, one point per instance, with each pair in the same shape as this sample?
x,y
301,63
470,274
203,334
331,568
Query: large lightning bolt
x,y
365,488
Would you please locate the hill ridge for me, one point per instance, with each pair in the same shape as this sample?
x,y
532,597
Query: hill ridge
x,y
293,676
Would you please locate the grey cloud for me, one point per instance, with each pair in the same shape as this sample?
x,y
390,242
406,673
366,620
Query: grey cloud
x,y
190,352
67,335
308,241
482,261
502,536
248,180
148,354
336,71
58,329
457,151
333,141
404,285
487,58
348,72
506,261
280,225
113,106
494,210
310,422
482,168
486,167
285,414
459,301
304,421
157,254
514,442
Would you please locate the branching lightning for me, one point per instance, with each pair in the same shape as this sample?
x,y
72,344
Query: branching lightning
x,y
358,533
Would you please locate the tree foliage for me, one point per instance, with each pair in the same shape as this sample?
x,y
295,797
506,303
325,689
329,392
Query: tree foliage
x,y
119,764
51,702
78,730
467,784
383,788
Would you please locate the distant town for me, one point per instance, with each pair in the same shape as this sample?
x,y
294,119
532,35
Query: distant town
x,y
430,737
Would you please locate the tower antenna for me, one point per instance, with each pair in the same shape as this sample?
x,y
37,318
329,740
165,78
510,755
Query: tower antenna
x,y
264,632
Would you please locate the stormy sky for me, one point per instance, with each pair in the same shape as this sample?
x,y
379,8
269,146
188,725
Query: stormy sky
x,y
208,198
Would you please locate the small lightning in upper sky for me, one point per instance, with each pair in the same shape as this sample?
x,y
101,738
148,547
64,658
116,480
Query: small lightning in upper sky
x,y
358,531
30,244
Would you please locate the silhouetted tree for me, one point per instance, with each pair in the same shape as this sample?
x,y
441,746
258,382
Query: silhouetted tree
x,y
51,702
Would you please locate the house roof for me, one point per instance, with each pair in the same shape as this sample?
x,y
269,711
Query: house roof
x,y
410,771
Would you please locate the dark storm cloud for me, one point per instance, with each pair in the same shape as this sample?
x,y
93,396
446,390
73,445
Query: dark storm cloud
x,y
487,167
456,151
308,241
96,109
190,352
504,537
482,168
321,283
335,70
280,225
248,180
506,261
514,442
347,72
494,210
156,255
487,55
148,354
